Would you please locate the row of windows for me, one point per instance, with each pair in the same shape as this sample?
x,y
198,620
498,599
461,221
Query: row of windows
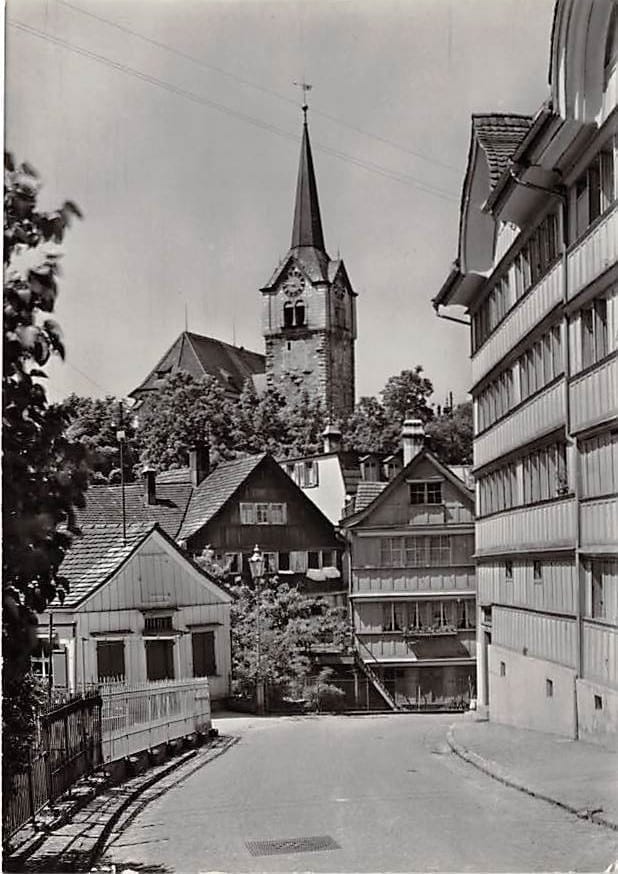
x,y
543,476
438,550
593,194
532,262
535,368
263,514
428,615
295,561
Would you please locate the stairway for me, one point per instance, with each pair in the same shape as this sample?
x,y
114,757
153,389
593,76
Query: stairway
x,y
373,678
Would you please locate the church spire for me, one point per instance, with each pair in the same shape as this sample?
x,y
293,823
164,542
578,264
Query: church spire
x,y
307,230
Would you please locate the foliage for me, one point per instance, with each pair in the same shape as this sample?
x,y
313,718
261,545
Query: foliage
x,y
449,436
369,429
24,700
406,395
95,422
258,421
44,475
324,695
304,422
291,624
188,411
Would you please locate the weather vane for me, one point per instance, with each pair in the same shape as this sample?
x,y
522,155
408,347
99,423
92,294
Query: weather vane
x,y
306,88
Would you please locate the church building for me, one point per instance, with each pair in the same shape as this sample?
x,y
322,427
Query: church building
x,y
309,309
308,323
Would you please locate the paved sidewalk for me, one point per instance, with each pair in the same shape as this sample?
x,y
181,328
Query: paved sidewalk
x,y
76,844
580,777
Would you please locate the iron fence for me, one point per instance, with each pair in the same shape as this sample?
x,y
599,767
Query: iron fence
x,y
67,746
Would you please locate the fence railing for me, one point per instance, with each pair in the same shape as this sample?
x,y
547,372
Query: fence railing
x,y
67,746
142,716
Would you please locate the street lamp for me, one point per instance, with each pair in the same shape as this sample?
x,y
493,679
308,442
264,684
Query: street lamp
x,y
256,565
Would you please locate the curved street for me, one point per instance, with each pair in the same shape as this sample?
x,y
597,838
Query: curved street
x,y
382,793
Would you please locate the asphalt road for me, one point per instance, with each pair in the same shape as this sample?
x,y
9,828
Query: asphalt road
x,y
386,790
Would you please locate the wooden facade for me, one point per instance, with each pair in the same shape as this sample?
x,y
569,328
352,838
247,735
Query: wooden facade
x,y
143,622
412,585
542,293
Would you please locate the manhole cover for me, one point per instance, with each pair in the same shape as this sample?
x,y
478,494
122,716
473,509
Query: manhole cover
x,y
292,845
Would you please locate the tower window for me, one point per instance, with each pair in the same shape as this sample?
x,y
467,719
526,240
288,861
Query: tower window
x,y
299,314
288,315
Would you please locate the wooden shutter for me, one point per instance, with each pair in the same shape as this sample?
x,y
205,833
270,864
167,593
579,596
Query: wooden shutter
x,y
204,659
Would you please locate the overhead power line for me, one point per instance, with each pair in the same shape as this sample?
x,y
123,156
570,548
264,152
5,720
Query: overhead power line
x,y
221,107
247,82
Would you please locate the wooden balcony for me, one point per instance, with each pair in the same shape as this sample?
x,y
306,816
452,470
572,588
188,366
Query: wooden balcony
x,y
520,321
412,581
547,526
599,524
537,416
594,395
594,253
393,646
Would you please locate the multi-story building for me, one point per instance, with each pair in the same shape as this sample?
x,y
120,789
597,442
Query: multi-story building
x,y
412,584
537,272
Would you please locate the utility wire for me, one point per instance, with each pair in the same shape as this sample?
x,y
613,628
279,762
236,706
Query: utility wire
x,y
201,63
221,107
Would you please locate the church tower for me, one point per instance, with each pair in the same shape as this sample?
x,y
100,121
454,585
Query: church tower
x,y
309,309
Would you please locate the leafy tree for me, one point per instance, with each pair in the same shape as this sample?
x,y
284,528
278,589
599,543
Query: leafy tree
x,y
449,436
291,625
407,395
95,422
369,428
187,411
258,422
304,422
44,475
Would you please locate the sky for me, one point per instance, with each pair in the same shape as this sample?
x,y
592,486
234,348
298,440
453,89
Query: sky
x,y
175,126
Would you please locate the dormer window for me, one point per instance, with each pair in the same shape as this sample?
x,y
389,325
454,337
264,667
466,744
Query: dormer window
x,y
294,314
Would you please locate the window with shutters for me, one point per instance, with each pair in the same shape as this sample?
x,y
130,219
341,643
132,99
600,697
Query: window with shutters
x,y
159,659
204,656
110,660
263,514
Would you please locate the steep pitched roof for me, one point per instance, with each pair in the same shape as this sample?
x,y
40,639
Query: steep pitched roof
x,y
199,356
360,514
366,492
307,228
96,555
104,506
215,490
498,135
100,552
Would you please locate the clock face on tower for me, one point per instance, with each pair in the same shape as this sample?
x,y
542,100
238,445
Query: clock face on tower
x,y
294,285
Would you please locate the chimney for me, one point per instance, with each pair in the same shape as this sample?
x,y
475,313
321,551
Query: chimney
x,y
412,439
150,486
332,438
199,463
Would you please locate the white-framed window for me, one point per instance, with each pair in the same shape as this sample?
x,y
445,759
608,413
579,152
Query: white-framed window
x,y
426,492
262,513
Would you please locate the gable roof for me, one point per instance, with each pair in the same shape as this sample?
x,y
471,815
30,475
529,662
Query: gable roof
x,y
499,135
358,515
200,356
104,505
216,490
100,552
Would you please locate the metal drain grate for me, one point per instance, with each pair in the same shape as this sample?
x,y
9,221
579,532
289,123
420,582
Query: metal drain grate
x,y
292,845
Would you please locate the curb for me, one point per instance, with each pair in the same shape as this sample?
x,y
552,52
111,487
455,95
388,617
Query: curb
x,y
494,771
100,842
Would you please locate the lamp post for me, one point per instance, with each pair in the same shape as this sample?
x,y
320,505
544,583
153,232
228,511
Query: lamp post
x,y
256,564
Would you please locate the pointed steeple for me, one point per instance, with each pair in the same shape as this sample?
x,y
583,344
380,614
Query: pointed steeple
x,y
307,230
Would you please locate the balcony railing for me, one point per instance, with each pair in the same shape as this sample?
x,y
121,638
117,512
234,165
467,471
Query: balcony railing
x,y
599,523
594,394
543,526
594,253
539,415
